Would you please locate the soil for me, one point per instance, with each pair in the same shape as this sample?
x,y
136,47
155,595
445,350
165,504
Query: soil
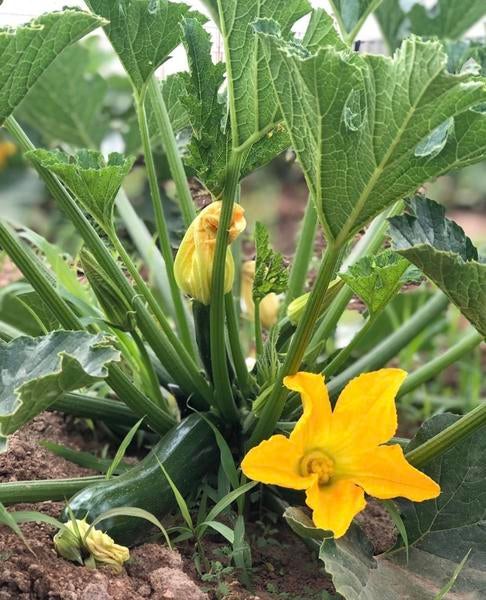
x,y
283,567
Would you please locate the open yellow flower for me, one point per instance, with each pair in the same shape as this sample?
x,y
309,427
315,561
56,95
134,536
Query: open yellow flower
x,y
193,266
337,455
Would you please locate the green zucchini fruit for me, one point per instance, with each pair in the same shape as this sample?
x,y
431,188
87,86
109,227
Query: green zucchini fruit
x,y
188,452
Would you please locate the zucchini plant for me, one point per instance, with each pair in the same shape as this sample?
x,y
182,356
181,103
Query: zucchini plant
x,y
167,344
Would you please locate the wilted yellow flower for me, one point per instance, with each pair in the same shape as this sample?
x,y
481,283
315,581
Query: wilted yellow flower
x,y
338,455
100,546
193,267
269,305
7,149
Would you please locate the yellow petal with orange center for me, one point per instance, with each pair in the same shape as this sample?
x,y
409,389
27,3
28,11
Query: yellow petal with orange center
x,y
334,506
314,425
385,473
276,461
365,414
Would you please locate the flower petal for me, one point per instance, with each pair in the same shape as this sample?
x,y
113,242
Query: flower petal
x,y
334,506
365,414
315,423
276,461
385,473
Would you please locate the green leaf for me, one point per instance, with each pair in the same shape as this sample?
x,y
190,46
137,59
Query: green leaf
x,y
301,524
222,529
253,104
143,33
440,533
120,453
83,459
207,149
356,121
28,50
447,19
376,279
351,14
38,371
65,104
181,503
92,180
443,252
7,519
271,275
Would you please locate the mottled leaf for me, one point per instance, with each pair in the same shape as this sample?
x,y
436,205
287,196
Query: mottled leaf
x,y
92,180
38,371
443,252
355,122
271,275
142,32
28,50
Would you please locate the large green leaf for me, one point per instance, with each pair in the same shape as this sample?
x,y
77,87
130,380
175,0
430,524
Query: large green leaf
x,y
254,107
37,371
92,180
27,51
443,252
376,279
351,14
65,104
142,32
447,19
369,130
440,533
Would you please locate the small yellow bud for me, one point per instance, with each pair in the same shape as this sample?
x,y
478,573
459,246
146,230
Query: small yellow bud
x,y
76,542
296,308
7,149
269,305
193,266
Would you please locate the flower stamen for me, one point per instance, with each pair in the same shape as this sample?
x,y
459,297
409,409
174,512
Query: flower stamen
x,y
319,463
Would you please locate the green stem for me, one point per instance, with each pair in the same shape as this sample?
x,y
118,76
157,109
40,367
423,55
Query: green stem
x,y
370,243
18,492
449,437
393,344
169,143
117,380
235,345
275,404
258,330
90,407
303,255
223,392
437,365
351,36
339,360
163,350
161,225
148,366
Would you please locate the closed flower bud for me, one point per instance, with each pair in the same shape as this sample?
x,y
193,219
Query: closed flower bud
x,y
193,265
269,305
7,149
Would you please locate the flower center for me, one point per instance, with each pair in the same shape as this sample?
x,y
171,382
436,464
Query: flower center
x,y
319,463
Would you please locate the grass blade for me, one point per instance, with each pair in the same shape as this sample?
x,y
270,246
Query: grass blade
x,y
120,453
181,503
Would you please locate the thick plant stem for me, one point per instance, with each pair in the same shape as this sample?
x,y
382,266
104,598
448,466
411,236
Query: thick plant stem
x,y
437,365
42,490
155,391
161,225
392,345
148,326
449,437
370,243
275,404
117,380
338,361
169,143
303,255
235,346
222,385
90,407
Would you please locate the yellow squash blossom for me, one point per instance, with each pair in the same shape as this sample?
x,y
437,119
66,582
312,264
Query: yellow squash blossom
x,y
269,305
7,149
338,455
193,266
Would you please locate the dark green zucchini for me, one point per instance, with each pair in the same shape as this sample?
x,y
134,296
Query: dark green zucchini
x,y
188,452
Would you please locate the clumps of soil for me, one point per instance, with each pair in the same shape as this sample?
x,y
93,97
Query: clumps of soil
x,y
283,566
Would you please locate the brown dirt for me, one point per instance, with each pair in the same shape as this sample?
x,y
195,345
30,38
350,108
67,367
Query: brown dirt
x,y
283,566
